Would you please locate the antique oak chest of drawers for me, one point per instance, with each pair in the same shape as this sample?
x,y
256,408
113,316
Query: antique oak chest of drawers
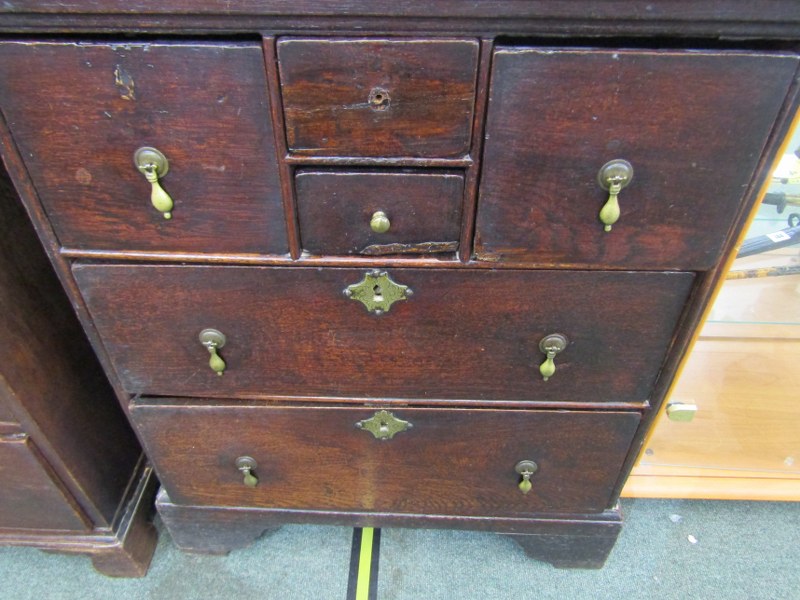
x,y
420,266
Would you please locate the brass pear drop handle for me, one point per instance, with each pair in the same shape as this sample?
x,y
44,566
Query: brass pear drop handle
x,y
612,177
550,345
154,165
526,468
214,340
246,465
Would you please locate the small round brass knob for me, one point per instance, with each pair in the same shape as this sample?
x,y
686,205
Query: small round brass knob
x,y
380,222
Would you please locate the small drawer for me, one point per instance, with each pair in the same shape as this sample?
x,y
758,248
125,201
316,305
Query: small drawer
x,y
461,334
79,112
378,97
379,213
691,125
448,462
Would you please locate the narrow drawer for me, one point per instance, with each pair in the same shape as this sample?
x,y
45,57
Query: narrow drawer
x,y
379,213
463,334
378,97
450,462
691,124
30,495
78,113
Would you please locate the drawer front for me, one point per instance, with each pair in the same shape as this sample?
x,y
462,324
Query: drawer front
x,y
379,213
458,462
691,124
30,494
463,334
377,97
79,112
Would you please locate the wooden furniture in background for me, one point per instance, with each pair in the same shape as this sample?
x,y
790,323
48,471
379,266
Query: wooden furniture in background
x,y
72,475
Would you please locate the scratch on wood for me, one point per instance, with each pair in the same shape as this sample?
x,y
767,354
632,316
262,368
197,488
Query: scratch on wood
x,y
124,82
421,248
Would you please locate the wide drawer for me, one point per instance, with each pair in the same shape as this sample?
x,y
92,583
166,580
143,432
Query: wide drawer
x,y
79,112
691,124
463,334
31,496
379,212
451,461
378,97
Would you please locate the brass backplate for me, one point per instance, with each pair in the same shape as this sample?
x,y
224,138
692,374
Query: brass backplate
x,y
384,425
377,292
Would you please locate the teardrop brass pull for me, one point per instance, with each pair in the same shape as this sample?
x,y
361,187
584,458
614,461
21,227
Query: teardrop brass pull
x,y
550,345
213,340
380,223
154,165
526,468
612,177
247,465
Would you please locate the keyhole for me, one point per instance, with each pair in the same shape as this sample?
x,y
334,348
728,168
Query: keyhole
x,y
379,99
384,427
377,294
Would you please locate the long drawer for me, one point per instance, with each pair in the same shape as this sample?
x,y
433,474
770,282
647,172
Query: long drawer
x,y
463,334
444,461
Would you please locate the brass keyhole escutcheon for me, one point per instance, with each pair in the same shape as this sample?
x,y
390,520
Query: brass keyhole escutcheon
x,y
550,346
612,177
379,99
213,341
247,465
384,425
154,165
526,468
377,292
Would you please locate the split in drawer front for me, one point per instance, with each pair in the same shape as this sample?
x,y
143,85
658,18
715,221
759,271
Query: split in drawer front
x,y
375,213
451,461
463,334
79,112
366,97
691,124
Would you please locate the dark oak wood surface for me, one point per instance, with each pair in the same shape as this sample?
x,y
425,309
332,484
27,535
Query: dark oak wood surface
x,y
49,377
335,209
31,496
451,461
71,474
692,124
734,19
463,334
205,106
383,98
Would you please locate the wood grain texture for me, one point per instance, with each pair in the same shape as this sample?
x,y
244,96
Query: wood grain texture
x,y
78,112
463,334
335,208
709,18
217,530
315,458
692,124
428,87
31,495
49,377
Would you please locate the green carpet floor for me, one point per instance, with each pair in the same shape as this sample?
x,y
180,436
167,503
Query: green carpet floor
x,y
667,549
